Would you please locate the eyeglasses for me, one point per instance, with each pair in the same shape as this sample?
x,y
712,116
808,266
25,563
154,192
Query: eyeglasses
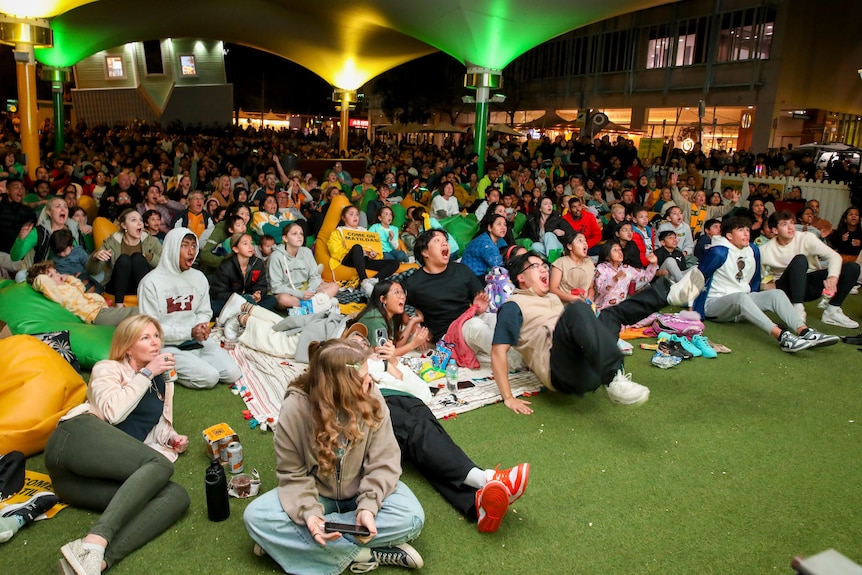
x,y
535,265
740,265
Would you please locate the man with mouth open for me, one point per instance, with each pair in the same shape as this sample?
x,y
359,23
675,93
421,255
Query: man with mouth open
x,y
568,348
177,295
444,290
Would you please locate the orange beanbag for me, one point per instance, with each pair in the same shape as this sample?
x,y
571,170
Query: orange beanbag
x,y
37,387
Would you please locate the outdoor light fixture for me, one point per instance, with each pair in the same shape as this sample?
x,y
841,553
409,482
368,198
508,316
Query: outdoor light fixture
x,y
497,98
468,99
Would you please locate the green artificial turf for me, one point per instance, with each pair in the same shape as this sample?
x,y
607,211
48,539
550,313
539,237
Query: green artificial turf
x,y
734,465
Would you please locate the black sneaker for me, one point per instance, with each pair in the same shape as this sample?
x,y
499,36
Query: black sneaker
x,y
792,343
403,555
670,347
819,339
853,339
32,508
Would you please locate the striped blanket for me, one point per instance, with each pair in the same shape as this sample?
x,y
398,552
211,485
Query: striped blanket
x,y
265,380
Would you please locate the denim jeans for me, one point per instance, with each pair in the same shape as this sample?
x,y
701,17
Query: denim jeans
x,y
291,545
94,465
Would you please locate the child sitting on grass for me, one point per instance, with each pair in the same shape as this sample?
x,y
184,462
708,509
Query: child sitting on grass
x,y
68,291
613,277
71,259
670,258
711,228
388,235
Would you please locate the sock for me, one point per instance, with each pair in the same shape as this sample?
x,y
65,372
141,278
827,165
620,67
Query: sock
x,y
476,478
364,555
9,526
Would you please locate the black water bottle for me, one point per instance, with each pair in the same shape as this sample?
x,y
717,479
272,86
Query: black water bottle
x,y
218,505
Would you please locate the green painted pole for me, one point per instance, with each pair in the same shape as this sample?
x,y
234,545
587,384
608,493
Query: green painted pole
x,y
59,117
480,141
483,80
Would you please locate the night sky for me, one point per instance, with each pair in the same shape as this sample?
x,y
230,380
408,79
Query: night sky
x,y
287,86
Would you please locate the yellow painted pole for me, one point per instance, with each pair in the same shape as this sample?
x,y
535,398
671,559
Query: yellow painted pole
x,y
25,69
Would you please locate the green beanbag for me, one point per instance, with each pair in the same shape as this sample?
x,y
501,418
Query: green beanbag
x,y
26,311
461,228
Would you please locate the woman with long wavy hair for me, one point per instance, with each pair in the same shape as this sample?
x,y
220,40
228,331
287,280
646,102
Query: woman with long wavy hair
x,y
337,461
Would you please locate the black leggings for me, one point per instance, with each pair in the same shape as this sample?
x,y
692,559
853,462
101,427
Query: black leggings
x,y
800,285
127,274
355,258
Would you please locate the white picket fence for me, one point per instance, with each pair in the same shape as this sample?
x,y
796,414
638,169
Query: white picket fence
x,y
834,197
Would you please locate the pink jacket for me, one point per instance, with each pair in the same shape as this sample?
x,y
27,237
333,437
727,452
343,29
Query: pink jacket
x,y
114,392
610,290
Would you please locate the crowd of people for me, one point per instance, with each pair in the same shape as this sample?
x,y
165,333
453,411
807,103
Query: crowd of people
x,y
210,229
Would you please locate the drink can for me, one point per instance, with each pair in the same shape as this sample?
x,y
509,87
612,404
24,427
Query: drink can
x,y
171,375
234,453
223,444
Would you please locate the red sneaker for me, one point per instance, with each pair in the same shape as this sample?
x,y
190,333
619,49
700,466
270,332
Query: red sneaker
x,y
515,480
492,502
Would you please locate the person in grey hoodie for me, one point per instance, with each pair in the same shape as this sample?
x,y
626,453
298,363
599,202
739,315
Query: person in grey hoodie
x,y
177,295
293,273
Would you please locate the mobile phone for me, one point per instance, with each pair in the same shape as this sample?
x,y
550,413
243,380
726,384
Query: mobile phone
x,y
381,336
465,385
346,529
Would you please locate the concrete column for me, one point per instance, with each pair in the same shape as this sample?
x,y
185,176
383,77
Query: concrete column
x,y
25,69
763,127
26,34
345,97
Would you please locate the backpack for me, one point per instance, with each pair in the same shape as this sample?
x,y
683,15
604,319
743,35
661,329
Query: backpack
x,y
684,323
498,286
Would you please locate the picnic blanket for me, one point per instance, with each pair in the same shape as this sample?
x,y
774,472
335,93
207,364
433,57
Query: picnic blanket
x,y
265,380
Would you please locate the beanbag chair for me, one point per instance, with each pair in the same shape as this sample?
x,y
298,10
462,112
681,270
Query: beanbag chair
x,y
462,228
321,252
37,387
102,228
26,311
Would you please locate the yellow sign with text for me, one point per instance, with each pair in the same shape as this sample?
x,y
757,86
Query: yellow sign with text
x,y
368,241
34,483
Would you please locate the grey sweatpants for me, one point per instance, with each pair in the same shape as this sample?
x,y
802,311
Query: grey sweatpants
x,y
750,307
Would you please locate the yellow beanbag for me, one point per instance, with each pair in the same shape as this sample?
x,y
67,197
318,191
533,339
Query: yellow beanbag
x,y
37,387
321,252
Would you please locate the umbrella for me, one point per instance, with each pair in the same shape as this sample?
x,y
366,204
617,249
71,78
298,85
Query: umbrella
x,y
445,127
550,120
504,129
393,129
415,127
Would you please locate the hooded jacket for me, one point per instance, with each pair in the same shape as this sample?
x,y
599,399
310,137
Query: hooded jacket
x,y
720,266
293,275
369,471
179,299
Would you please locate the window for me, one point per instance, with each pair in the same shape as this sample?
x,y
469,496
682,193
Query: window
x,y
115,68
745,36
187,64
153,57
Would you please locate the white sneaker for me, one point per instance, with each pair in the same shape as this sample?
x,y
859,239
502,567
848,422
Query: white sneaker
x,y
624,346
231,308
685,291
367,286
834,315
854,290
624,391
83,560
231,329
800,310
